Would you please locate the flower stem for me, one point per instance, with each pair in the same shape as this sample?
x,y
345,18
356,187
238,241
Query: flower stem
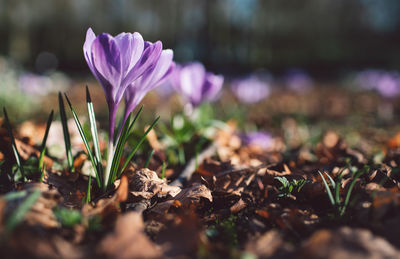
x,y
110,150
110,156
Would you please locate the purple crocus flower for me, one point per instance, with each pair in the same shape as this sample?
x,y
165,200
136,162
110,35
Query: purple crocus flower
x,y
196,84
386,83
116,62
298,81
251,89
257,138
149,80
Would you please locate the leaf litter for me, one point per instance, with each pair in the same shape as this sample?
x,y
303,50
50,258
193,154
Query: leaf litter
x,y
235,201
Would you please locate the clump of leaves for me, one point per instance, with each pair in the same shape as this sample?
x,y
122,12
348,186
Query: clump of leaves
x,y
19,213
224,230
288,187
105,177
67,217
33,166
193,131
333,190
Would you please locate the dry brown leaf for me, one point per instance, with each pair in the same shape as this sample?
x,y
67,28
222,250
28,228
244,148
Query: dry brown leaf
x,y
128,240
146,184
187,196
268,245
347,243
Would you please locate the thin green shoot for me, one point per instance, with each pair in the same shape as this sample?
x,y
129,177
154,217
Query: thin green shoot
x,y
67,140
146,165
89,189
120,146
18,215
14,195
138,145
14,146
93,129
328,190
41,159
42,173
84,138
46,133
164,166
338,205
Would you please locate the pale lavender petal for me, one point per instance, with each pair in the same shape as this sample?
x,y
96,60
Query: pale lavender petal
x,y
149,80
107,61
87,48
153,77
149,58
212,86
191,80
132,45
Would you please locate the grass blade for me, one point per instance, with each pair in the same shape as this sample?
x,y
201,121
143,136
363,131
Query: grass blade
x,y
46,133
118,151
337,188
138,145
67,139
18,215
84,138
348,194
164,166
41,158
88,194
13,145
327,189
93,129
120,145
331,180
149,158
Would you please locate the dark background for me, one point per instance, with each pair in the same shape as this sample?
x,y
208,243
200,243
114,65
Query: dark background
x,y
324,37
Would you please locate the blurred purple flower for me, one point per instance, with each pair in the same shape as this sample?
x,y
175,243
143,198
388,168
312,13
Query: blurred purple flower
x,y
251,89
298,81
257,138
35,84
386,83
149,80
389,84
195,84
368,79
116,62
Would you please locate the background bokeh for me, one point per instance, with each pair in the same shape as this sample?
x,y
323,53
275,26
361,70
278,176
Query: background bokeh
x,y
324,37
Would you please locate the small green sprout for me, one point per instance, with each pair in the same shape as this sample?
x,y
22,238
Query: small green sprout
x,y
67,217
333,190
288,187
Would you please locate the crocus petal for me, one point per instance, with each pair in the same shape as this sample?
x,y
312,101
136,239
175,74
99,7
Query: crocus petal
x,y
192,79
87,46
149,57
212,86
153,77
132,46
149,80
106,59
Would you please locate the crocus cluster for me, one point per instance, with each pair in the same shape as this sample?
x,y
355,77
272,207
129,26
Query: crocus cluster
x,y
195,84
251,89
386,83
126,66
